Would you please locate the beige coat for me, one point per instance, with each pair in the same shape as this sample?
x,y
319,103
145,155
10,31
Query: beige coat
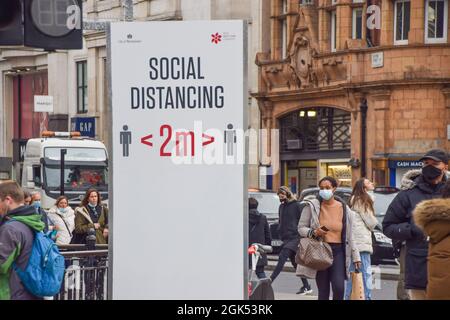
x,y
64,224
433,216
363,225
310,220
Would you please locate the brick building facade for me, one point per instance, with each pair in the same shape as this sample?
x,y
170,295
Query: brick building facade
x,y
327,62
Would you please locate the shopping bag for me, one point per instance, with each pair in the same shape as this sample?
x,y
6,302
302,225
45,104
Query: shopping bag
x,y
357,286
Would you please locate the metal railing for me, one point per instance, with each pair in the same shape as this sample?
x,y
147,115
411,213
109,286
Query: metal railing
x,y
86,274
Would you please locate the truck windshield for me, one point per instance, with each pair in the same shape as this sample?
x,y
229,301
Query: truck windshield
x,y
76,154
76,177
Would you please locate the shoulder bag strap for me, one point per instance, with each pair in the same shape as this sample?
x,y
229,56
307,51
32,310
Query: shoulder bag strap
x,y
67,227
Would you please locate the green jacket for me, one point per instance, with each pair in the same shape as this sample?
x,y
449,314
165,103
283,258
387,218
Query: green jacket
x,y
16,242
84,222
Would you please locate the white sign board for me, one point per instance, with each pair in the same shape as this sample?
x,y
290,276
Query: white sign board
x,y
263,177
179,196
43,103
377,60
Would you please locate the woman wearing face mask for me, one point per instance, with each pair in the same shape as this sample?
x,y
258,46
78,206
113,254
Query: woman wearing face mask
x,y
63,218
91,214
330,219
361,202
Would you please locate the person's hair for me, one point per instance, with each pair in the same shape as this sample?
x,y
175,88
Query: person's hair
x,y
61,198
32,196
360,197
85,200
11,189
252,203
446,190
332,180
287,192
26,194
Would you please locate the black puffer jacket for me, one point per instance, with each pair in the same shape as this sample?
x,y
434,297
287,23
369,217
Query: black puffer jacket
x,y
289,216
399,225
259,232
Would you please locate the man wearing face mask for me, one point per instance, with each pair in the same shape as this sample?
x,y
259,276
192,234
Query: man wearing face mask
x,y
289,215
398,223
36,203
16,238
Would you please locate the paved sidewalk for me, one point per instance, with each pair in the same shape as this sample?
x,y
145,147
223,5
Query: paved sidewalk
x,y
386,272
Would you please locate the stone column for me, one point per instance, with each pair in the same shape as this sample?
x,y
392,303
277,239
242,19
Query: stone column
x,y
387,23
324,30
446,93
379,126
57,84
417,22
354,100
344,24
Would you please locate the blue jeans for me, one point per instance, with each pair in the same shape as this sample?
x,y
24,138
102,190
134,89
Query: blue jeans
x,y
260,272
366,270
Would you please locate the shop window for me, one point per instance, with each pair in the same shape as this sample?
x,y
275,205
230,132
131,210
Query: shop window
x,y
379,177
436,16
315,129
82,97
401,21
342,172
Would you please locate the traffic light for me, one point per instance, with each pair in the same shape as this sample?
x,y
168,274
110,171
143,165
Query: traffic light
x,y
47,24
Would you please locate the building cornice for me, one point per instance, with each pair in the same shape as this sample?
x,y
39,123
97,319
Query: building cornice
x,y
383,89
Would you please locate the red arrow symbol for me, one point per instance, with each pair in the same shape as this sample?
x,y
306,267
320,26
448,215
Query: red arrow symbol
x,y
144,140
211,139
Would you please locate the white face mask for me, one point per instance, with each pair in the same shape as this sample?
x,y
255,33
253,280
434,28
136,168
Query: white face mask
x,y
326,194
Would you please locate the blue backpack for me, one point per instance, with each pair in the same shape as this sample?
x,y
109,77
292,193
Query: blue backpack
x,y
44,273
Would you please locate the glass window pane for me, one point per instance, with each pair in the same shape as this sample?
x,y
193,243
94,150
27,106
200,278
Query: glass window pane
x,y
79,74
431,19
85,73
399,18
440,19
85,100
358,24
406,18
80,99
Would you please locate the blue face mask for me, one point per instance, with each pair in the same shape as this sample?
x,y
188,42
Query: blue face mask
x,y
326,194
91,205
37,204
62,210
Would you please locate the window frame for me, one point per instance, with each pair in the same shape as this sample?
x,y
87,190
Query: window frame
x,y
333,31
403,41
436,40
82,107
354,31
284,28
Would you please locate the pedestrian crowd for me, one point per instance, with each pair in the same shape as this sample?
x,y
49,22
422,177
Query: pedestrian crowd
x,y
329,240
22,215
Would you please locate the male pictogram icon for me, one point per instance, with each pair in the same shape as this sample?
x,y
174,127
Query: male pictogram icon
x,y
230,139
125,140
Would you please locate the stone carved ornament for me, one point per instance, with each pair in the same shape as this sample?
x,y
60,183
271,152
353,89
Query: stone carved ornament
x,y
302,62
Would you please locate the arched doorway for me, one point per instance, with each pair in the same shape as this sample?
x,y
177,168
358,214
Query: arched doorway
x,y
315,142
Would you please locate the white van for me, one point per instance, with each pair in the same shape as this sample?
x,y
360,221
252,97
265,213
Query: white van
x,y
86,166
